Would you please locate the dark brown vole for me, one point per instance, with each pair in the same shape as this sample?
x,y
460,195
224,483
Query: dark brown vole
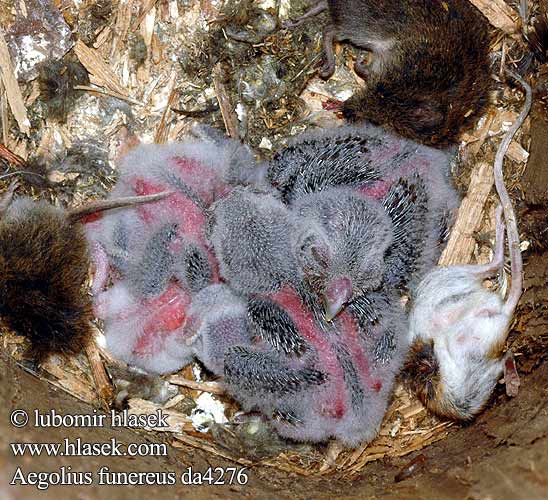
x,y
428,74
44,263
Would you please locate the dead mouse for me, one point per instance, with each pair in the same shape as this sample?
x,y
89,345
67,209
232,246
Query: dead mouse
x,y
44,264
427,69
458,328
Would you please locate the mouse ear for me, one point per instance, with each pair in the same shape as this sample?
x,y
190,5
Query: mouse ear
x,y
313,253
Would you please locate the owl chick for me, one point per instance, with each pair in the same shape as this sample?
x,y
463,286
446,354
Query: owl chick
x,y
325,176
159,258
323,379
315,379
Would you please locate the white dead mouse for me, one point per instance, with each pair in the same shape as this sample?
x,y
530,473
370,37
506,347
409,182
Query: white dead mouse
x,y
458,328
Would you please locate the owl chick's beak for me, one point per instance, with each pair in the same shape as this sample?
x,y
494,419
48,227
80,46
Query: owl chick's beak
x,y
338,294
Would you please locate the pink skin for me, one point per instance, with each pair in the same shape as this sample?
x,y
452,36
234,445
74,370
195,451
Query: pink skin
x,y
338,293
335,404
386,152
201,178
192,230
177,203
416,164
194,219
165,316
348,327
162,316
377,190
186,210
511,377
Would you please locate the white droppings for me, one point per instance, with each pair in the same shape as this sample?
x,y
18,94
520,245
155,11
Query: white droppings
x,y
208,411
32,52
265,143
241,112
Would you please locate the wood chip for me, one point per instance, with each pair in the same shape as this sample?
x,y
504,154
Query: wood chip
x,y
66,380
100,376
476,139
4,113
145,9
211,387
174,401
413,410
461,242
13,92
96,66
177,422
334,449
517,153
287,466
499,14
123,21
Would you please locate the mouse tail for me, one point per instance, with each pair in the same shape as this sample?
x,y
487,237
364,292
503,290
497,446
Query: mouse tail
x,y
76,214
497,263
509,215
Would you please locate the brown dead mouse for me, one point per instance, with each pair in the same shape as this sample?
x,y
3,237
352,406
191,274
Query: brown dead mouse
x,y
458,328
427,74
44,264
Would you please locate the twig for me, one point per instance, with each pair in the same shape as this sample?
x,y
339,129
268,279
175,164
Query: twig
x,y
15,98
11,157
306,66
227,110
161,135
211,387
110,93
100,376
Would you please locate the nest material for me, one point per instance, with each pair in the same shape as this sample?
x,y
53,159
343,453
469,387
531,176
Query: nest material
x,y
136,96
